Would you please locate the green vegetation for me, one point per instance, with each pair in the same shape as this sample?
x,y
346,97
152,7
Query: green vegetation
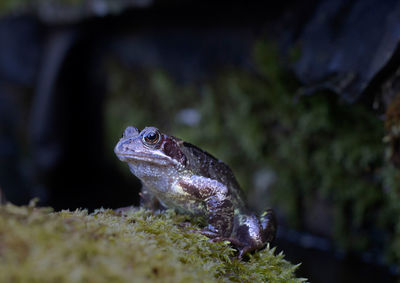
x,y
37,245
7,6
320,149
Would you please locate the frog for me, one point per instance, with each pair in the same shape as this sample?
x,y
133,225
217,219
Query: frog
x,y
179,175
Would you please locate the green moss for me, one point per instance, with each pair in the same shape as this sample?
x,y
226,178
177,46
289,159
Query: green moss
x,y
37,245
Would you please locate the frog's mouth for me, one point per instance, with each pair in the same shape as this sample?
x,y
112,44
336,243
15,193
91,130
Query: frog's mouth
x,y
144,157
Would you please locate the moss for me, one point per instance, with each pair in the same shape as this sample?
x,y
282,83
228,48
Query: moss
x,y
37,245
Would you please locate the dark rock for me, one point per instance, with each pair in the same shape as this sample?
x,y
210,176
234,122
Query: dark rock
x,y
346,45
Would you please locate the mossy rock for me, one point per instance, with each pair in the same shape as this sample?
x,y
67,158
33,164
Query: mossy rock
x,y
38,245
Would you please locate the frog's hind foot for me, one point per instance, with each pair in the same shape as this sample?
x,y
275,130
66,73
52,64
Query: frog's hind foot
x,y
244,251
240,246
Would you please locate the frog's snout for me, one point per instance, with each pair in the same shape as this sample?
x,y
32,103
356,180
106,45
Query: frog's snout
x,y
122,148
117,151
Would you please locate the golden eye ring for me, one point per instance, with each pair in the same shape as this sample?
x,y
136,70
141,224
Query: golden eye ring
x,y
151,138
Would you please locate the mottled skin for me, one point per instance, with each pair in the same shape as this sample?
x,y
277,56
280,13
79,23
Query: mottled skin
x,y
179,175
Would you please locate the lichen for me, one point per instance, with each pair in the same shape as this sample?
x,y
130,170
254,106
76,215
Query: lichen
x,y
38,245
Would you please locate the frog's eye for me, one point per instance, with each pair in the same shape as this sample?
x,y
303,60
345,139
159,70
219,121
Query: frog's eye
x,y
151,137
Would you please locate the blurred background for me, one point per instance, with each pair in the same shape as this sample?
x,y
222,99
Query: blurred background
x,y
300,98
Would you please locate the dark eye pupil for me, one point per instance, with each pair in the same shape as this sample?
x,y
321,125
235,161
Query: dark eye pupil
x,y
151,137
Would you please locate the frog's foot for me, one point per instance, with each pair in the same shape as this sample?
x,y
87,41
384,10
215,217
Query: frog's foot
x,y
243,251
242,248
147,200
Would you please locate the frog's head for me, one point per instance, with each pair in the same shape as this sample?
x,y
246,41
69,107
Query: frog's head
x,y
149,150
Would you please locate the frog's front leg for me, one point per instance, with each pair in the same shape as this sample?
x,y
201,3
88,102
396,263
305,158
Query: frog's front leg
x,y
149,201
217,200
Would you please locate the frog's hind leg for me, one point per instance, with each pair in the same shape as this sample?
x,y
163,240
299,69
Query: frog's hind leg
x,y
269,225
217,200
242,248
